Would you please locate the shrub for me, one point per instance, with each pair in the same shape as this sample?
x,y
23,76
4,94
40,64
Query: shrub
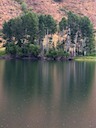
x,y
34,50
19,51
25,49
52,53
11,48
24,6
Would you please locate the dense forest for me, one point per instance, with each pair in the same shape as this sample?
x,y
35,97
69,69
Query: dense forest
x,y
31,35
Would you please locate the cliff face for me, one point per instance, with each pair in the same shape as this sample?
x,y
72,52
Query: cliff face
x,y
58,9
10,8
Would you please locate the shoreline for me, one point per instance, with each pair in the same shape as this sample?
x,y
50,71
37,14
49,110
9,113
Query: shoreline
x,y
78,58
86,58
8,57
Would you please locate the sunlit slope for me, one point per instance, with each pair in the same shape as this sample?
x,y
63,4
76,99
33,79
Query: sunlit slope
x,y
8,9
59,9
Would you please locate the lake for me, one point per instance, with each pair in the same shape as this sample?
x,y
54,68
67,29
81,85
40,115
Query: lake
x,y
43,94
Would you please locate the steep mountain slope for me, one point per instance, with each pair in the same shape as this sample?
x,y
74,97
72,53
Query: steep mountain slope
x,y
8,10
58,9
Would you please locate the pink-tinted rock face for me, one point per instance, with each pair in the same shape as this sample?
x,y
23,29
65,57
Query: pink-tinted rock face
x,y
8,9
82,7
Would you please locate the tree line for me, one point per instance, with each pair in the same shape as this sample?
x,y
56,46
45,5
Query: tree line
x,y
25,35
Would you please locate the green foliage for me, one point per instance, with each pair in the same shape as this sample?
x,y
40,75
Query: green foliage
x,y
80,26
12,29
30,27
34,50
62,53
47,25
73,24
63,24
23,51
73,20
8,29
19,51
24,6
54,53
50,24
11,48
42,25
21,27
2,51
86,27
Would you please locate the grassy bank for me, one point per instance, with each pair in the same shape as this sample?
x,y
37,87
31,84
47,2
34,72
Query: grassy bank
x,y
2,51
85,58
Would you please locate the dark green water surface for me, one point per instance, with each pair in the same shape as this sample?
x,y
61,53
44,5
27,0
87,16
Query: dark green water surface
x,y
47,94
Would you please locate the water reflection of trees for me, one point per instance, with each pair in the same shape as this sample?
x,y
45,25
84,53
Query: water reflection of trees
x,y
81,78
47,92
51,80
26,79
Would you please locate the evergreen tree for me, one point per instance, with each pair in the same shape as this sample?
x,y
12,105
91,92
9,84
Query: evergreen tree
x,y
86,28
63,24
30,25
73,24
50,24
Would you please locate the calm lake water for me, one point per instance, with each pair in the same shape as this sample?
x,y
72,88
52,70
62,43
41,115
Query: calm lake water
x,y
47,94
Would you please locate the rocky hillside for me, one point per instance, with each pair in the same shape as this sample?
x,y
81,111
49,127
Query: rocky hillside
x,y
58,9
10,8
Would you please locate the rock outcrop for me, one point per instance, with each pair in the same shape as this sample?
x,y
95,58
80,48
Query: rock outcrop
x,y
8,10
